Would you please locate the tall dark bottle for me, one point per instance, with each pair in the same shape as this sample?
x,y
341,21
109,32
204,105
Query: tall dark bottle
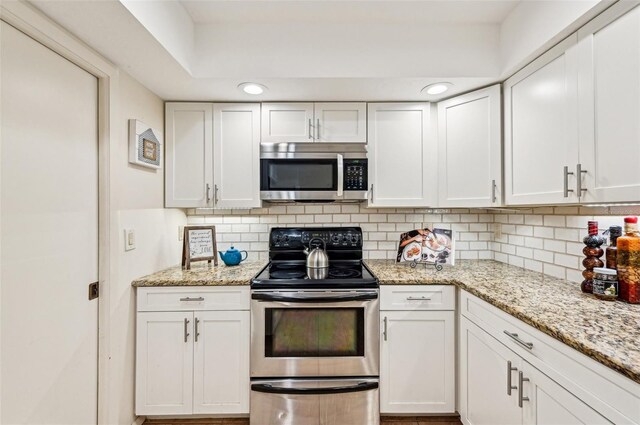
x,y
611,253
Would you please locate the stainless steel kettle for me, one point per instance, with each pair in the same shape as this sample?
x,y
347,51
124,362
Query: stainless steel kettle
x,y
317,260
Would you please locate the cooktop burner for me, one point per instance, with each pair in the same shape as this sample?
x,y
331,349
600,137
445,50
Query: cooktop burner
x,y
343,272
294,274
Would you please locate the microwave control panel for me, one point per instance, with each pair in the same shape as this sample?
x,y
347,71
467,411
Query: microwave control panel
x,y
355,174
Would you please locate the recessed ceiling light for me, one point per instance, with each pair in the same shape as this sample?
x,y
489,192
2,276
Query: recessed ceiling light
x,y
436,88
252,88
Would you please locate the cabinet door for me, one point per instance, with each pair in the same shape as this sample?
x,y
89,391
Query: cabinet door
x,y
470,149
236,141
541,129
547,403
341,122
221,362
164,363
401,155
189,155
417,362
609,95
484,379
287,122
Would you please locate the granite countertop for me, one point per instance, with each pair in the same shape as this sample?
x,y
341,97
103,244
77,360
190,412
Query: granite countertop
x,y
608,332
203,274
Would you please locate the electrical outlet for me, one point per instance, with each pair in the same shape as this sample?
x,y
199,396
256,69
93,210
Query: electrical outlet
x,y
180,233
497,230
129,239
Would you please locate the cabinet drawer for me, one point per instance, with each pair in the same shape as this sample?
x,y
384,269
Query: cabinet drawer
x,y
193,298
417,297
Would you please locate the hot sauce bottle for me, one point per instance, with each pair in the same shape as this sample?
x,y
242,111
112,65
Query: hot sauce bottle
x,y
628,262
611,253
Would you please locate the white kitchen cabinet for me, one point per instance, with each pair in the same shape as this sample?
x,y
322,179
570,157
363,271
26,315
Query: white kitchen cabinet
x,y
340,122
547,403
609,99
212,155
236,146
334,122
541,129
192,351
287,122
221,362
164,365
470,149
417,349
402,155
485,368
189,154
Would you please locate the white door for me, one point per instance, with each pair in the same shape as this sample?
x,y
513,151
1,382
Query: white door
x,y
164,363
485,377
541,129
287,122
49,189
400,155
189,155
417,360
236,147
547,403
340,122
609,95
221,362
470,149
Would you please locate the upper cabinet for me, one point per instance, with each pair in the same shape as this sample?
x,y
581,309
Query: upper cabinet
x,y
470,149
335,122
609,105
189,154
212,155
402,155
541,132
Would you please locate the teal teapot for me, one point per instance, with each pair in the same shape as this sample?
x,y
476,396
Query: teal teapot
x,y
233,257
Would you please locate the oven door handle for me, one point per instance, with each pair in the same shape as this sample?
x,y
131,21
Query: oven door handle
x,y
319,299
270,389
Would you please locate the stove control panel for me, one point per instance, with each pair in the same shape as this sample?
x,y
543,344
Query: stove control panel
x,y
300,238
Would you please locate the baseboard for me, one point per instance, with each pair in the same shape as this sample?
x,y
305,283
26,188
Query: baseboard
x,y
139,420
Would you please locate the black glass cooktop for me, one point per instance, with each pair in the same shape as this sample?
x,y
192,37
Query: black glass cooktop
x,y
290,274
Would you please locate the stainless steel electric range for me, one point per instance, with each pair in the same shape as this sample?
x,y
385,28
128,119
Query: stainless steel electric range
x,y
315,341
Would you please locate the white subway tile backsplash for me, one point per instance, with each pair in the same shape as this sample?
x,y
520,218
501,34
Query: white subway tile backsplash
x,y
554,220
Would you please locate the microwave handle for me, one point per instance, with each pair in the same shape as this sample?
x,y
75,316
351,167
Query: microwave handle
x,y
268,388
318,299
340,175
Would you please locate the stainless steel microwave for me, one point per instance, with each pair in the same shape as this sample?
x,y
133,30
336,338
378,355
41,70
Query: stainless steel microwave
x,y
313,172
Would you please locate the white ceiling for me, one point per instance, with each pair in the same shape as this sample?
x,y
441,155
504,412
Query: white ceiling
x,y
312,49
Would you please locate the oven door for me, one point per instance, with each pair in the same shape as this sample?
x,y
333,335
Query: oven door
x,y
302,178
314,333
315,402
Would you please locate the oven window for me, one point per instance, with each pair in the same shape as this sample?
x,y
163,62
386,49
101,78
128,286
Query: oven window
x,y
299,174
314,332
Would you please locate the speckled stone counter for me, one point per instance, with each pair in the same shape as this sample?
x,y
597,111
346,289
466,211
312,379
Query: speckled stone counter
x,y
203,274
608,332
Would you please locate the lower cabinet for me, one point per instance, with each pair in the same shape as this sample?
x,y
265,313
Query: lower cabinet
x,y
417,352
498,386
192,362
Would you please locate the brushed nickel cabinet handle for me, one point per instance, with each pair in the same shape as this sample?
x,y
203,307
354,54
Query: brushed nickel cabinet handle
x,y
208,193
195,332
418,299
579,173
192,299
493,192
371,193
509,384
516,338
215,194
318,129
521,397
186,329
567,173
310,130
384,332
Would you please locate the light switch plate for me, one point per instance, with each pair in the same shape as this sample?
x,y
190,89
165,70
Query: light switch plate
x,y
129,239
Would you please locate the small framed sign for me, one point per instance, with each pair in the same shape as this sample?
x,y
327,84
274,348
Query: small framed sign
x,y
145,145
199,245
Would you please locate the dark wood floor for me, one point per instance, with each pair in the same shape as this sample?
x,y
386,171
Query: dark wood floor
x,y
386,420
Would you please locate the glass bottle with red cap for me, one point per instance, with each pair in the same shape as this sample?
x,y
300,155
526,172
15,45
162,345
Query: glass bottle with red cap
x,y
592,252
629,262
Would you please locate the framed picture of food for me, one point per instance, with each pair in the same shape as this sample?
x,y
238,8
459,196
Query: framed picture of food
x,y
427,246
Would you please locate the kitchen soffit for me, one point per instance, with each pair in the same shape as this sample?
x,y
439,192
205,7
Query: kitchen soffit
x,y
320,50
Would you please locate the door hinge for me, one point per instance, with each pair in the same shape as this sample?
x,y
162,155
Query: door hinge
x,y
94,290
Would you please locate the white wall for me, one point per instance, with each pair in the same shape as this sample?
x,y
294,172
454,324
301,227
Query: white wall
x,y
137,200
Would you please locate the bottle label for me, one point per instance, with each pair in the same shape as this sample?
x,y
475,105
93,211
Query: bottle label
x,y
605,286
